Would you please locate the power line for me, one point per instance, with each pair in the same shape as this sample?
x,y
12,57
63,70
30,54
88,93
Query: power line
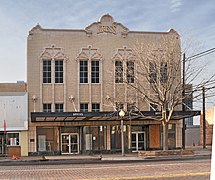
x,y
204,53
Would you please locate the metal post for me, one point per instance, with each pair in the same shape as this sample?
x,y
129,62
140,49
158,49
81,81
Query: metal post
x,y
203,117
122,137
183,103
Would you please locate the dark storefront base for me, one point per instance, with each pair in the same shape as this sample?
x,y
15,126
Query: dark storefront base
x,y
93,139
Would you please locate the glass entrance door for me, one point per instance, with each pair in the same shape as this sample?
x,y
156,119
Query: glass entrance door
x,y
138,141
69,143
74,144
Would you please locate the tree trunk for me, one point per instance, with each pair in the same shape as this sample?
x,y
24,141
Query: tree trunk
x,y
165,136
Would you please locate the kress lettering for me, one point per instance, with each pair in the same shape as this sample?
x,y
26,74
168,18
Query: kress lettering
x,y
106,29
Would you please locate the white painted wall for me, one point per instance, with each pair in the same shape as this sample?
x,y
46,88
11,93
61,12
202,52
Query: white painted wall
x,y
14,110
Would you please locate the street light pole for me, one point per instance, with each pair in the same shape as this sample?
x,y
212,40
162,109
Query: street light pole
x,y
122,114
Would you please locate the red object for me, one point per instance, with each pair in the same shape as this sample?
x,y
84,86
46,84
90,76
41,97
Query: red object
x,y
14,157
4,126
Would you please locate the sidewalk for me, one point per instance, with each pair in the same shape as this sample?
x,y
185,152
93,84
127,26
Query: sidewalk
x,y
197,152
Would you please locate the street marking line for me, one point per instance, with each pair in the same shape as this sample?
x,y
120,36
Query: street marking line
x,y
158,176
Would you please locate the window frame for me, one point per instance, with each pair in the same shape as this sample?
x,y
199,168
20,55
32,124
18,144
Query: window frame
x,y
59,107
47,71
95,71
152,73
59,71
130,71
83,71
9,139
95,107
84,107
47,109
118,71
163,72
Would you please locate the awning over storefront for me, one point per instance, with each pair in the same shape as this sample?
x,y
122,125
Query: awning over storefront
x,y
106,116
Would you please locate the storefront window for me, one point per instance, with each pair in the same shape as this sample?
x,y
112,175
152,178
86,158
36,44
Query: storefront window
x,y
47,139
95,138
171,136
13,139
116,138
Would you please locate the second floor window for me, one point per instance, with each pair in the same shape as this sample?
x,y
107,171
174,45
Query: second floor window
x,y
152,73
95,107
94,71
118,72
59,71
84,107
163,72
130,72
58,107
47,107
84,71
46,71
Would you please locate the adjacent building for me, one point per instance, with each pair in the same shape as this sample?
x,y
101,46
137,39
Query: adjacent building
x,y
209,123
76,92
13,119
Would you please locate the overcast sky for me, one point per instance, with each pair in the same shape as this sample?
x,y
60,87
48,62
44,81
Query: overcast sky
x,y
192,19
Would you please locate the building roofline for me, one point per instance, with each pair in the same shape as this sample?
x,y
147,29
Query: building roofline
x,y
129,32
39,27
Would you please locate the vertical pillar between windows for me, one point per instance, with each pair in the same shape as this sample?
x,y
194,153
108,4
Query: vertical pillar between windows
x,y
90,85
53,84
64,86
41,87
114,82
135,81
78,85
124,77
125,87
101,82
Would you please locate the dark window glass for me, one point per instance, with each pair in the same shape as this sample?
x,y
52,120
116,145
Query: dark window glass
x,y
83,71
95,72
46,71
118,72
95,107
130,72
58,107
47,107
84,107
163,72
59,71
152,73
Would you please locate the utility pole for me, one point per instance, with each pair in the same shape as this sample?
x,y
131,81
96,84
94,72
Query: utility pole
x,y
183,103
203,118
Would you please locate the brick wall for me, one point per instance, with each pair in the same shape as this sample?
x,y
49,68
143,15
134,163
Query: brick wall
x,y
209,116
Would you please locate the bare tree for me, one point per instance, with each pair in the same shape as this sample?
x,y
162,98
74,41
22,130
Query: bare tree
x,y
158,77
153,69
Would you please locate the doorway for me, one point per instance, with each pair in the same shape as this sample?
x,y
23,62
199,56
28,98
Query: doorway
x,y
69,143
138,141
2,144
